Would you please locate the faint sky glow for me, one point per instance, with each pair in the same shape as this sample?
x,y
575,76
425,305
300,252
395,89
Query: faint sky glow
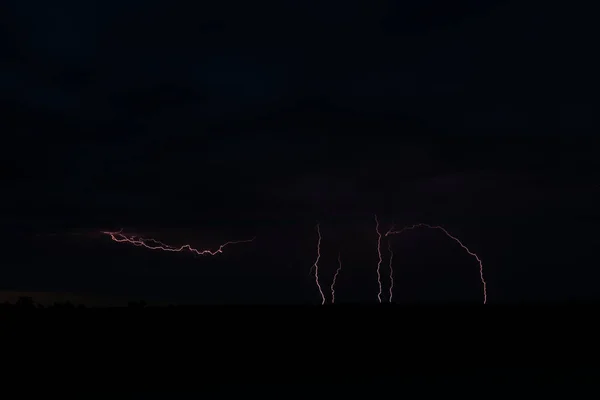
x,y
221,122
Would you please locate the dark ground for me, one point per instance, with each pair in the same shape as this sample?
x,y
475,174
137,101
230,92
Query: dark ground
x,y
296,350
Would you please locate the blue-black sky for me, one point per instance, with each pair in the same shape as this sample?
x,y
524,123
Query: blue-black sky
x,y
234,119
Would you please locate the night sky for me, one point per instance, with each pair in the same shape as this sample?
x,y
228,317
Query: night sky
x,y
198,123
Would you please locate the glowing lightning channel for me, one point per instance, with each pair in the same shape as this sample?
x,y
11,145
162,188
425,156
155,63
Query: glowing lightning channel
x,y
380,257
392,232
391,269
335,277
154,244
316,265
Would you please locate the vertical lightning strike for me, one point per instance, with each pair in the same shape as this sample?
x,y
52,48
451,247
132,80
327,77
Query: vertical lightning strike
x,y
154,244
335,277
391,269
316,265
392,232
380,258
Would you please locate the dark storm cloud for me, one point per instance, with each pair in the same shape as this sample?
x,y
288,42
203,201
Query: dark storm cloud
x,y
41,95
59,33
357,182
241,81
499,70
483,193
162,82
96,53
440,63
318,50
97,167
578,116
416,186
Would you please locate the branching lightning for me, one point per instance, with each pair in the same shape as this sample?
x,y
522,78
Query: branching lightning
x,y
316,264
380,258
335,278
392,232
391,269
154,244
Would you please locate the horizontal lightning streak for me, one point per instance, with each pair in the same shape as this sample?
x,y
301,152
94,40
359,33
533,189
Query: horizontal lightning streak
x,y
154,244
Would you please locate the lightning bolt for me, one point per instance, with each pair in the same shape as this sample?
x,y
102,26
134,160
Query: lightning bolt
x,y
391,269
335,277
316,265
380,258
154,244
392,232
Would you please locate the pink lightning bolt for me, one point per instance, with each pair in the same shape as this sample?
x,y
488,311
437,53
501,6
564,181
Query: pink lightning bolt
x,y
391,269
335,278
392,232
316,265
380,258
154,244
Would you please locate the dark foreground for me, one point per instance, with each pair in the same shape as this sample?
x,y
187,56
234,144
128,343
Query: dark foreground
x,y
285,351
